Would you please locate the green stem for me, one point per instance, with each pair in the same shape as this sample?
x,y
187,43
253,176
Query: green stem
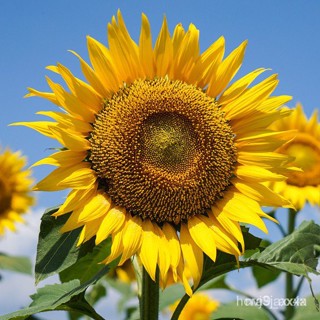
x,y
149,299
290,292
179,307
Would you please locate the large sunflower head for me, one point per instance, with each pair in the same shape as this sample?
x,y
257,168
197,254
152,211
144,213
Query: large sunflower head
x,y
15,189
161,153
304,147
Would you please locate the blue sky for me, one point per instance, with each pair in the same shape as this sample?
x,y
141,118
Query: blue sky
x,y
283,36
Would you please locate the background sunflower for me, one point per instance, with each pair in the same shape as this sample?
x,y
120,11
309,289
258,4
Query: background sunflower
x,y
304,147
15,189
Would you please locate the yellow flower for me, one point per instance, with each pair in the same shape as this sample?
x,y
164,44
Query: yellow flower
x,y
161,153
199,307
125,273
15,188
304,147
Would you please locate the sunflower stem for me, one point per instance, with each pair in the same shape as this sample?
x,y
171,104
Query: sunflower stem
x,y
290,291
179,307
149,299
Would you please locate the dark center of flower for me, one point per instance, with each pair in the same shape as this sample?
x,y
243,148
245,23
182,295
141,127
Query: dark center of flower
x,y
306,151
163,150
5,197
168,142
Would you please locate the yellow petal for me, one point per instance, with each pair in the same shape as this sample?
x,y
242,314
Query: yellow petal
x,y
225,242
111,223
148,253
116,247
257,174
89,230
239,86
164,257
249,101
145,48
173,244
72,223
226,71
70,103
75,199
92,78
231,226
208,63
192,254
71,140
80,89
97,206
131,239
68,121
46,95
79,177
44,127
235,208
123,50
63,158
187,54
100,59
203,236
261,193
263,159
163,50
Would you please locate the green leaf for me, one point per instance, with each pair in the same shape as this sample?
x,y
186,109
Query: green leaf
x,y
264,276
306,309
88,265
216,283
296,253
97,292
57,251
234,309
66,296
17,264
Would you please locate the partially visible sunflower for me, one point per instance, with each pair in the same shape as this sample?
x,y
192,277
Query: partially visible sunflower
x,y
199,307
15,189
125,272
304,147
160,153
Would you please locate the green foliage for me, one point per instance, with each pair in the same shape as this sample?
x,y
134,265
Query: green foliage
x,y
56,251
16,264
307,311
79,268
65,296
86,266
296,253
229,310
264,275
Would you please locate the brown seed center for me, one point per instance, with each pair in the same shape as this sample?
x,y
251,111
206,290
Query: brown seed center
x,y
163,150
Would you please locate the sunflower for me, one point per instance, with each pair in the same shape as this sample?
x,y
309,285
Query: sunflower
x,y
304,147
199,307
159,151
15,188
